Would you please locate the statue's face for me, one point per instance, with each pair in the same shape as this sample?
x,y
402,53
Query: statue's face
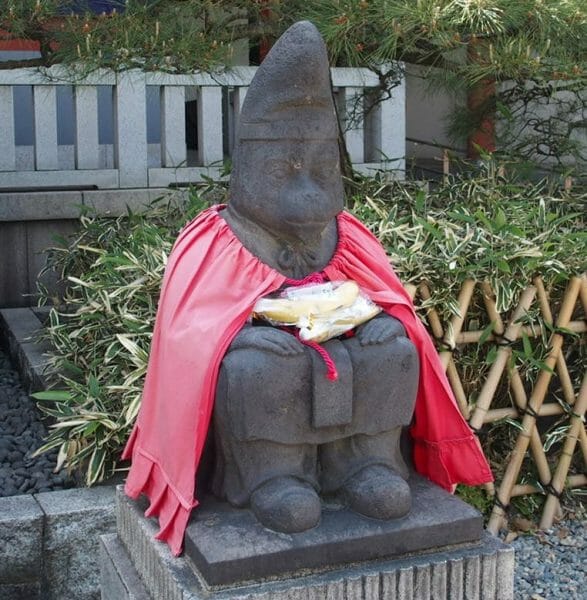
x,y
287,185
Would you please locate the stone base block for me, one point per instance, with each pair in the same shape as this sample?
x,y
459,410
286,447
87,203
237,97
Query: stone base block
x,y
228,545
485,572
119,579
137,564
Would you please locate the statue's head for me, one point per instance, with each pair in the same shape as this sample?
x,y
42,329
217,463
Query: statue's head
x,y
286,171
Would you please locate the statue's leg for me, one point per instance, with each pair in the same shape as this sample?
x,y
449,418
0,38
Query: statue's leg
x,y
369,472
367,466
264,459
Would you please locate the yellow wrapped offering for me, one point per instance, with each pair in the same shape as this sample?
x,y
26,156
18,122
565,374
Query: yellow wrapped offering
x,y
320,311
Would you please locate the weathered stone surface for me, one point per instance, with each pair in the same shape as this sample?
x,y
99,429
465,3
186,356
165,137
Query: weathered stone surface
x,y
437,574
20,327
119,579
20,323
286,432
227,545
115,202
21,591
40,206
74,519
21,542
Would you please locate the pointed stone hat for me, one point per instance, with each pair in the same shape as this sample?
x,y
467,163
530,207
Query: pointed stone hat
x,y
290,96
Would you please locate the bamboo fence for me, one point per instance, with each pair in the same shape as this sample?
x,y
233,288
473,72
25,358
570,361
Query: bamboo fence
x,y
532,401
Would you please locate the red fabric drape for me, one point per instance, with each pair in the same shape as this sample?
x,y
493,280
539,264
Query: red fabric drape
x,y
210,286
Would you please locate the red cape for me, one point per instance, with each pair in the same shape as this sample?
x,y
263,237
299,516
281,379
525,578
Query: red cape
x,y
210,286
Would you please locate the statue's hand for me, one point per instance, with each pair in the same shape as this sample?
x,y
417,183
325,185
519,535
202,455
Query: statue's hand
x,y
269,339
378,330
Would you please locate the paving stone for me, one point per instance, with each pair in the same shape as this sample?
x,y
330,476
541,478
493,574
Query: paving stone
x,y
21,531
21,591
74,520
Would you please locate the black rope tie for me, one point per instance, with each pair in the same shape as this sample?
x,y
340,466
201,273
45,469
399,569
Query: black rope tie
x,y
553,491
444,346
503,340
500,504
528,410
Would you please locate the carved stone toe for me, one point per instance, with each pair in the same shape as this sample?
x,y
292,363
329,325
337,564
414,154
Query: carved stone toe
x,y
379,493
286,504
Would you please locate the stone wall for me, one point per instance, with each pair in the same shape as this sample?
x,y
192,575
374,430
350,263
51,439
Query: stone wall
x,y
49,543
30,223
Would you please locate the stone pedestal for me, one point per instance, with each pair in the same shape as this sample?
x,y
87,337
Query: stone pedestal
x,y
438,551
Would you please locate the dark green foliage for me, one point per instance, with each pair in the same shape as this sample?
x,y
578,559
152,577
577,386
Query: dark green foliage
x,y
484,229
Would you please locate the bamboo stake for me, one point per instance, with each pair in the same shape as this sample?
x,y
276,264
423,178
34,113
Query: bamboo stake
x,y
433,317
445,356
457,388
445,164
568,183
561,364
560,474
411,289
456,323
488,390
583,440
536,447
518,391
536,399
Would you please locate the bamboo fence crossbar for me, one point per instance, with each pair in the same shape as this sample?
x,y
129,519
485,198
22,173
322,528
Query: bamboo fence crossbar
x,y
532,318
472,337
574,481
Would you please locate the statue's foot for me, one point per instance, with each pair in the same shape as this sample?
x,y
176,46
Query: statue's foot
x,y
286,504
379,493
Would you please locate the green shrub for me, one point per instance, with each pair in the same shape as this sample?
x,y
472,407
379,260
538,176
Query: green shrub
x,y
482,228
114,269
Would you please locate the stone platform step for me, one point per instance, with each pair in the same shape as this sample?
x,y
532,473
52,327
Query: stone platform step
x,y
475,571
485,572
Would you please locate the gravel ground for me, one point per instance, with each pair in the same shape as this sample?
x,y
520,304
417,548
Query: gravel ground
x,y
549,565
553,563
21,433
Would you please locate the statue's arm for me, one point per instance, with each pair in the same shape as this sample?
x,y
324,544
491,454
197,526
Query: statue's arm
x,y
380,329
270,339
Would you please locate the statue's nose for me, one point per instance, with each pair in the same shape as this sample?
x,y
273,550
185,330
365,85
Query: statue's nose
x,y
305,188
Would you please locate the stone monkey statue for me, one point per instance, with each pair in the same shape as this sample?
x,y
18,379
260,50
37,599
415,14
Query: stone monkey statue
x,y
285,434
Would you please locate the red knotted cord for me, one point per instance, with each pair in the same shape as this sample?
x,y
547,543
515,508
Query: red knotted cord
x,y
331,370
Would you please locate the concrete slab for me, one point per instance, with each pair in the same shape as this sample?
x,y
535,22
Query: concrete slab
x,y
228,545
